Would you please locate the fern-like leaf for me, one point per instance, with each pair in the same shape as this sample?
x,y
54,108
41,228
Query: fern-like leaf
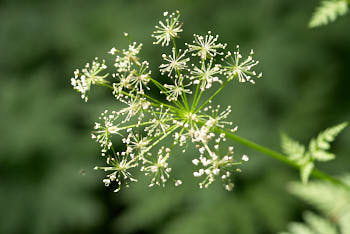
x,y
327,12
319,145
319,224
329,199
314,224
328,135
292,148
317,150
298,228
305,171
344,223
332,201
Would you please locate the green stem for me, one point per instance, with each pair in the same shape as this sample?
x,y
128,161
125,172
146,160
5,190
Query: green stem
x,y
198,98
146,96
164,90
193,107
141,124
315,173
183,95
169,131
184,99
106,85
216,93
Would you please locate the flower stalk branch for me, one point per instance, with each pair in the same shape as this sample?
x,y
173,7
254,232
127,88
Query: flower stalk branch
x,y
280,157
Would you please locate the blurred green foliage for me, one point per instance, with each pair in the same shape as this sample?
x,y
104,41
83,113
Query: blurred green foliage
x,y
328,11
47,184
333,208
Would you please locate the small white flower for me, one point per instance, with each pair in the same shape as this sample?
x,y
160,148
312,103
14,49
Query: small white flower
x,y
217,118
135,106
206,75
241,69
159,123
120,170
124,83
104,131
158,168
216,171
216,167
229,186
107,182
112,51
206,46
176,62
129,57
165,32
139,79
176,90
245,158
178,183
88,76
137,143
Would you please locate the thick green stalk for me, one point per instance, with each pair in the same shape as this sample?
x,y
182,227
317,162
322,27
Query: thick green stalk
x,y
315,173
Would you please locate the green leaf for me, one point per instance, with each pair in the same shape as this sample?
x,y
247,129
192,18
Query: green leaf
x,y
305,172
317,150
291,147
298,228
319,145
344,223
314,224
323,156
327,12
330,200
328,135
318,224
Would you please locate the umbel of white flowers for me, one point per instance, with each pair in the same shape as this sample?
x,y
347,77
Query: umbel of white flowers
x,y
185,114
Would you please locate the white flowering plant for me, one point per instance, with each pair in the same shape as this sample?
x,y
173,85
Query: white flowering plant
x,y
192,77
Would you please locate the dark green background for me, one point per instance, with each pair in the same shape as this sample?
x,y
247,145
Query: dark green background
x,y
45,140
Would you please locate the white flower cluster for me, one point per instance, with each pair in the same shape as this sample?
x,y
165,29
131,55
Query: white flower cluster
x,y
88,76
175,62
169,30
213,165
185,114
206,75
238,69
158,167
103,131
205,46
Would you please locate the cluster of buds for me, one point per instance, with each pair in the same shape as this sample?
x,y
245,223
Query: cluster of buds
x,y
185,114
